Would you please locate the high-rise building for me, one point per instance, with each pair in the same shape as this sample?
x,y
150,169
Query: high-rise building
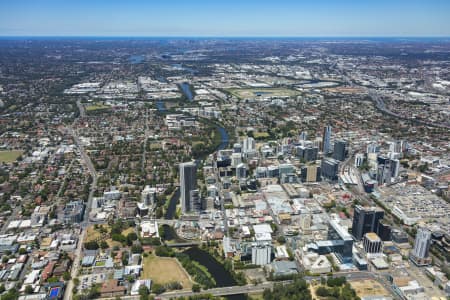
x,y
330,168
188,183
372,243
236,159
342,241
285,169
310,173
237,148
359,160
303,136
241,171
420,253
307,153
248,144
195,199
384,173
384,230
148,196
339,150
396,146
326,139
261,254
373,148
365,219
395,167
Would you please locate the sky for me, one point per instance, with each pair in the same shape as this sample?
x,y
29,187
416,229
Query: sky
x,y
293,18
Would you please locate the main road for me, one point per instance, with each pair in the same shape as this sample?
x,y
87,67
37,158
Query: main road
x,y
83,229
236,290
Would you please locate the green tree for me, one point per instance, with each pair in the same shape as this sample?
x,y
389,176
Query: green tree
x,y
104,245
29,289
158,289
66,276
143,292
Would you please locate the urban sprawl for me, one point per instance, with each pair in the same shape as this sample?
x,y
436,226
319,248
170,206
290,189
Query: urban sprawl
x,y
205,168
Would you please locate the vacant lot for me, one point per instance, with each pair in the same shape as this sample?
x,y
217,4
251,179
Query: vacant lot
x,y
9,156
364,288
103,235
247,93
163,270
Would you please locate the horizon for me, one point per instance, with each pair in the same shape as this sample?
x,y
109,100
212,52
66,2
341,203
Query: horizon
x,y
201,18
217,37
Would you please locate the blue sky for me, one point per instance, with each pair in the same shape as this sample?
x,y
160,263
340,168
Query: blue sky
x,y
225,18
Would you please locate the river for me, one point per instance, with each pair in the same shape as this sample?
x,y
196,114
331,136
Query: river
x,y
186,88
222,277
161,106
216,269
136,59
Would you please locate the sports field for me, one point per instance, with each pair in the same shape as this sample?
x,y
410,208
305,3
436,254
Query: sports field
x,y
9,156
94,107
163,270
251,93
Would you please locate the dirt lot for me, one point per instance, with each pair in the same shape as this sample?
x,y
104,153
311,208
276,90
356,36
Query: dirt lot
x,y
365,288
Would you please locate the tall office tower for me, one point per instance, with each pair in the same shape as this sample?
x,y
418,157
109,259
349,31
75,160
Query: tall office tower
x,y
395,167
261,254
241,171
340,151
384,231
303,136
188,183
248,144
148,195
420,254
326,142
307,153
422,243
329,168
310,173
396,146
373,148
359,160
366,219
196,202
372,243
384,173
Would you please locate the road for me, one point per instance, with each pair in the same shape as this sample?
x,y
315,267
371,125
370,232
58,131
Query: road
x,y
87,161
235,290
146,135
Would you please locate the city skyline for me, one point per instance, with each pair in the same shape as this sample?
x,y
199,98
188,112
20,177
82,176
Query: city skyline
x,y
231,19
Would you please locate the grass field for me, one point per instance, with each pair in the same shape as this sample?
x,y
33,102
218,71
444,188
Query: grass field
x,y
9,156
163,270
246,93
258,135
95,107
